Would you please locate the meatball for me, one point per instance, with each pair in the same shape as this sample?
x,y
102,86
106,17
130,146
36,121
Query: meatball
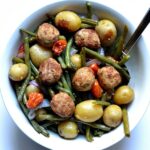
x,y
50,71
47,34
88,38
62,104
83,79
109,77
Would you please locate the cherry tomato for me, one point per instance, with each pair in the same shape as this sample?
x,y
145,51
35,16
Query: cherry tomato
x,y
94,67
59,46
96,90
35,98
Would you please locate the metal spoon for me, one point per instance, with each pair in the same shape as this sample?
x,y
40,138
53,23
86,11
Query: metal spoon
x,y
143,24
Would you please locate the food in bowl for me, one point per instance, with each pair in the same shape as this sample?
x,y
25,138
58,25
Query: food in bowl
x,y
62,81
137,64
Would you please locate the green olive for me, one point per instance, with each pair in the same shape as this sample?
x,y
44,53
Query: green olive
x,y
68,129
123,95
68,20
106,31
88,111
38,54
31,88
112,116
18,72
76,60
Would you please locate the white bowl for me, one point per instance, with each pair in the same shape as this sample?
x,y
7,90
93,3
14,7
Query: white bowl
x,y
138,67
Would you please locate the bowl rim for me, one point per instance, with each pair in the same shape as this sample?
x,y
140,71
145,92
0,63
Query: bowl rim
x,y
3,93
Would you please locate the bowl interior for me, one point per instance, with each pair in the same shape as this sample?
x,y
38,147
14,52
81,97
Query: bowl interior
x,y
137,65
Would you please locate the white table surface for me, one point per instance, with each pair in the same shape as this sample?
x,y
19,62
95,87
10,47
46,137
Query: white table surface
x,y
13,12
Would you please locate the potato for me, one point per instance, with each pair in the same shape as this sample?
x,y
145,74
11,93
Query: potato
x,y
76,60
68,20
18,72
123,95
38,54
68,129
88,111
31,88
106,31
112,116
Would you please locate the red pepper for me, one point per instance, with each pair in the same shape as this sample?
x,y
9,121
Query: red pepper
x,y
96,90
94,68
21,51
35,98
59,46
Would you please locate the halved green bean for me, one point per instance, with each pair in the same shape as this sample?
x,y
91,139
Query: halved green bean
x,y
106,60
89,21
28,32
51,92
61,61
67,53
63,89
26,81
126,122
17,60
88,134
89,10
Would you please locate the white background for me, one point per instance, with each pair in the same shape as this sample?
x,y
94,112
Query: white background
x,y
12,13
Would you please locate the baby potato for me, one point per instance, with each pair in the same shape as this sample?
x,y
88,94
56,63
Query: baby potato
x,y
68,20
88,111
18,72
112,116
31,88
38,54
68,129
76,60
123,95
106,31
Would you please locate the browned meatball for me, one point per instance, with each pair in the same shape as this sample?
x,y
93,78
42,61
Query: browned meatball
x,y
83,79
62,104
109,77
88,38
50,71
47,34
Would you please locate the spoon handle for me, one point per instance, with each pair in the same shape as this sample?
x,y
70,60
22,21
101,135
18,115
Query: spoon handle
x,y
143,24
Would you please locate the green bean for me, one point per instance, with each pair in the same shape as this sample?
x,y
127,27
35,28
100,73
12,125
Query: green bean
x,y
67,76
126,122
83,57
61,37
34,124
98,133
61,61
84,25
26,81
51,92
89,21
35,70
67,53
39,128
106,60
88,134
32,39
24,98
95,125
124,59
63,89
49,117
17,60
60,83
66,86
103,103
28,32
89,10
